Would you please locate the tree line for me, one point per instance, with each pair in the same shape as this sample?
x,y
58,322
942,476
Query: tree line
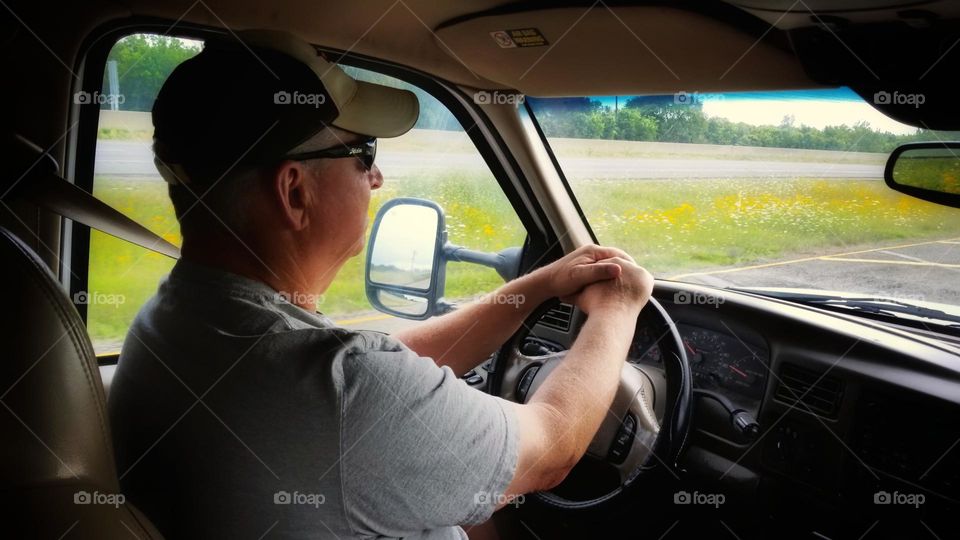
x,y
668,119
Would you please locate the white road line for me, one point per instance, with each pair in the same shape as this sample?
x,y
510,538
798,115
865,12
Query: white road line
x,y
901,255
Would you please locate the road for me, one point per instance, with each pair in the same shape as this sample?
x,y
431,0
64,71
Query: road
x,y
914,271
135,159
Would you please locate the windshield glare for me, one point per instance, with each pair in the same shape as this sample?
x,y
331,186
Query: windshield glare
x,y
777,190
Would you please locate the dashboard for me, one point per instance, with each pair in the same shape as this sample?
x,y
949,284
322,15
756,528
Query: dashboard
x,y
720,361
847,408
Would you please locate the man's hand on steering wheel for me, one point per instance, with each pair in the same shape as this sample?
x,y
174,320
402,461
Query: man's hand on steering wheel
x,y
566,277
631,288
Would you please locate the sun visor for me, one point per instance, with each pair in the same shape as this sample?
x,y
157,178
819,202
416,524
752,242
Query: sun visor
x,y
907,73
620,50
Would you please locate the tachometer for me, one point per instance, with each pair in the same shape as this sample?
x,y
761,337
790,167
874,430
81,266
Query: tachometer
x,y
644,348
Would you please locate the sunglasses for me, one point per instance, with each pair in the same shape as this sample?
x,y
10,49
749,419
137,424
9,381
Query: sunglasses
x,y
365,151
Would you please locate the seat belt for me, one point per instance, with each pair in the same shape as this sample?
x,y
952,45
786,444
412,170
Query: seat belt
x,y
34,177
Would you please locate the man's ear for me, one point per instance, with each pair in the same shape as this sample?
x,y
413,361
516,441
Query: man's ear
x,y
290,191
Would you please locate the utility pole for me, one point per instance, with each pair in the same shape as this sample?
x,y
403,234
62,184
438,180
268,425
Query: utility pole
x,y
114,83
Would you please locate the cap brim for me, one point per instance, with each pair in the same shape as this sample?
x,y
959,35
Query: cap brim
x,y
379,111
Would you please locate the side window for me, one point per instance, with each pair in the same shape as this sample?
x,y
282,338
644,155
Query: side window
x,y
121,275
436,160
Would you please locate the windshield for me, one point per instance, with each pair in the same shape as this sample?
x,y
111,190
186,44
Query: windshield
x,y
777,190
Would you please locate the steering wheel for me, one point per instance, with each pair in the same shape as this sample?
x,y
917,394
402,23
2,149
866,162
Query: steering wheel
x,y
645,428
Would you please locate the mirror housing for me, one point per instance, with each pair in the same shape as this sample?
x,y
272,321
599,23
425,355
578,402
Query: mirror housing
x,y
405,269
926,170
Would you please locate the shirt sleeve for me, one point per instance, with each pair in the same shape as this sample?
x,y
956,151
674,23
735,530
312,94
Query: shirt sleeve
x,y
420,449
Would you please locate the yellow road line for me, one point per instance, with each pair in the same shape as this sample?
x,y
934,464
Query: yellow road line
x,y
948,242
804,259
742,268
880,261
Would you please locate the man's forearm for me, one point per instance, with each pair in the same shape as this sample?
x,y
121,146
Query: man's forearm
x,y
464,338
579,391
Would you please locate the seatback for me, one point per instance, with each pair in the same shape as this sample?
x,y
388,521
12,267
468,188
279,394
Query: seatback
x,y
57,472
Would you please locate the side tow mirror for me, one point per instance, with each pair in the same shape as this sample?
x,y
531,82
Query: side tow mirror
x,y
405,268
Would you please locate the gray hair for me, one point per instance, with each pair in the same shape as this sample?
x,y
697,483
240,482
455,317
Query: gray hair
x,y
230,198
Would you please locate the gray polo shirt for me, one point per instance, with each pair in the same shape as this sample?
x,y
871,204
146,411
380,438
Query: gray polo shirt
x,y
237,415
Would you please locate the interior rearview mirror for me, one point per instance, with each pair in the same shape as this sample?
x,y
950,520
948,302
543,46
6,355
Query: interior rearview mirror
x,y
405,270
926,170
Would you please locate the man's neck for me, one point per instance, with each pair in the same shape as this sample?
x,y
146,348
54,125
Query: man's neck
x,y
279,271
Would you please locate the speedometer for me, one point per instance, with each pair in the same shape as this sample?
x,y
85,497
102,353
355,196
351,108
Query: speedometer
x,y
723,362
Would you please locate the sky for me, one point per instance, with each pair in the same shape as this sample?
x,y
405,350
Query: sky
x,y
814,108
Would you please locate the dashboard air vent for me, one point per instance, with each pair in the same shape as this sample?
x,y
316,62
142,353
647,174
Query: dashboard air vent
x,y
816,392
558,318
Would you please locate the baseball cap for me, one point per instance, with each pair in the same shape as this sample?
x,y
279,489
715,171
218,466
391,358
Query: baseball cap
x,y
248,100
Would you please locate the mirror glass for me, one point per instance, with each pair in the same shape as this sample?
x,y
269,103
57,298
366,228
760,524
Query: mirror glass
x,y
403,303
934,169
403,250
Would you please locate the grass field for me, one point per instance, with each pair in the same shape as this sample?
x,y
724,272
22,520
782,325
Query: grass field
x,y
678,226
669,226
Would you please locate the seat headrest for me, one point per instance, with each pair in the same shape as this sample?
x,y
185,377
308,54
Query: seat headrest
x,y
53,416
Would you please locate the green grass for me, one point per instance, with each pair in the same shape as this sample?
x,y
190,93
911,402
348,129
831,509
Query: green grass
x,y
124,134
119,267
932,172
669,226
675,226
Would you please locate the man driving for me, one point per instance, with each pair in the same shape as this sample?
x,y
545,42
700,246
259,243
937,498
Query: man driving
x,y
239,411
